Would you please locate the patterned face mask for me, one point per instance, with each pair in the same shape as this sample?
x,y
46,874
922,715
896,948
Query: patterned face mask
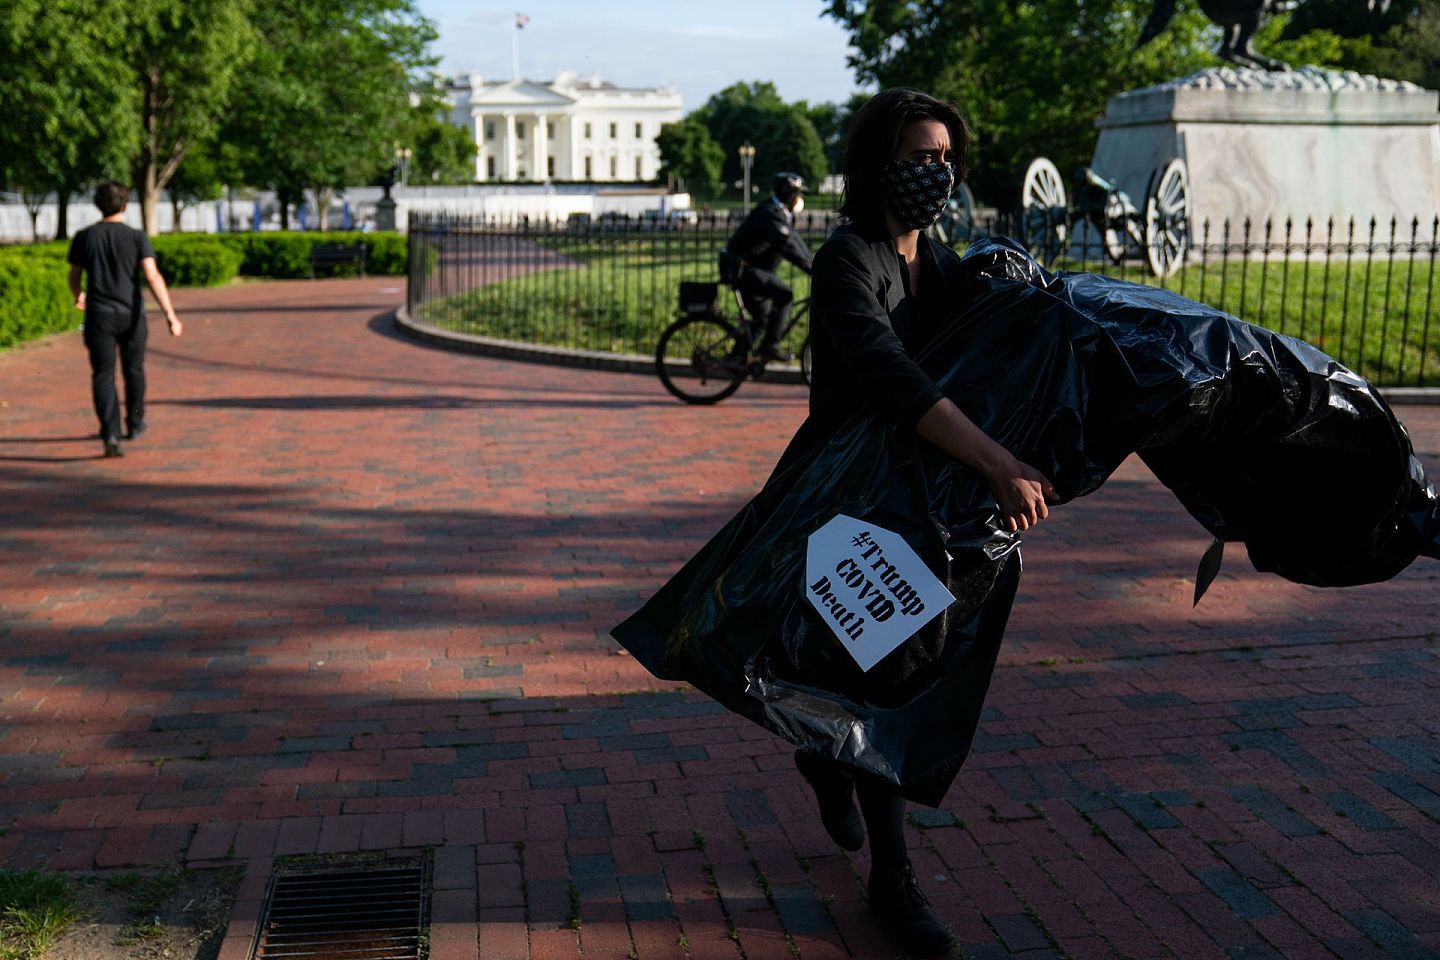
x,y
915,193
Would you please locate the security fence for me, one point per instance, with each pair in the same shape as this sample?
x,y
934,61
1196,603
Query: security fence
x,y
1362,292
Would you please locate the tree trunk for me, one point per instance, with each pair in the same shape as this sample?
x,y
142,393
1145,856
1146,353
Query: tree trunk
x,y
145,168
33,204
323,198
175,207
62,214
284,213
157,162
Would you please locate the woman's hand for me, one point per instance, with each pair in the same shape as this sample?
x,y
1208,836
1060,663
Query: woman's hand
x,y
1020,491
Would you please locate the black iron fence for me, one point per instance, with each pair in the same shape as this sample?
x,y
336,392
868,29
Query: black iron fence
x,y
1364,292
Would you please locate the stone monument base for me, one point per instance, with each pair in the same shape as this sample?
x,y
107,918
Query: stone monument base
x,y
1276,145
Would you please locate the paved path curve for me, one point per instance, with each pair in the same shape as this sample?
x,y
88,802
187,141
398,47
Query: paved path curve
x,y
351,592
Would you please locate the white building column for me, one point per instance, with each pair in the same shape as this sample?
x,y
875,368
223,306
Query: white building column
x,y
511,168
573,132
477,129
542,148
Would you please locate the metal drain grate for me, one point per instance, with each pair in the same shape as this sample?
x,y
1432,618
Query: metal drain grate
x,y
355,912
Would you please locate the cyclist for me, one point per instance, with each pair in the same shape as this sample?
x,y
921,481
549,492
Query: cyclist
x,y
750,257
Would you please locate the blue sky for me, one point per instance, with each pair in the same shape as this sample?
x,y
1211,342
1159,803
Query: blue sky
x,y
699,46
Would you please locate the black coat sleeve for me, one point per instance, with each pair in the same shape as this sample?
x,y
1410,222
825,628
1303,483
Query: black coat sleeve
x,y
847,309
797,251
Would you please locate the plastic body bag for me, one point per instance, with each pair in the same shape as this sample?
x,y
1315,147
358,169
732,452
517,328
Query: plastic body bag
x,y
1263,438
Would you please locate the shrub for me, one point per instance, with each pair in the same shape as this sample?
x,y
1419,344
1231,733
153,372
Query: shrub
x,y
195,261
34,295
389,253
279,256
284,256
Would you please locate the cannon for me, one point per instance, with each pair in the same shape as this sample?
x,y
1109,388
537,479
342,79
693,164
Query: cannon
x,y
1158,232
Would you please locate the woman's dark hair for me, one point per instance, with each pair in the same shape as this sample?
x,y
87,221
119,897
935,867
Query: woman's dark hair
x,y
875,132
111,197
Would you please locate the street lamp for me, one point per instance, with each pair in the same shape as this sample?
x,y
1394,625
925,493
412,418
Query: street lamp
x,y
747,159
402,163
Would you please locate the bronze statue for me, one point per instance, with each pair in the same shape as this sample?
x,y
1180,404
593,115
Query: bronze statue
x,y
1240,20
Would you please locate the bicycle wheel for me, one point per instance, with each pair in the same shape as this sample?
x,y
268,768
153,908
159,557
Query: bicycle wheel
x,y
701,359
805,360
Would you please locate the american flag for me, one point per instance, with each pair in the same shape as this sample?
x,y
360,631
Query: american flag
x,y
520,21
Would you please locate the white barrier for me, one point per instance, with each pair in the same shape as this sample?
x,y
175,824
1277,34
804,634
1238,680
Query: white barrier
x,y
261,211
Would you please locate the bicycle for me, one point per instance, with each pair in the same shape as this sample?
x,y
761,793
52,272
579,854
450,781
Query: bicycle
x,y
703,357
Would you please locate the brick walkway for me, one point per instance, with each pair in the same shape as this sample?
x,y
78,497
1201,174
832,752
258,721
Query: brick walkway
x,y
351,593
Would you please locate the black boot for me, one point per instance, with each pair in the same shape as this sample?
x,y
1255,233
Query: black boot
x,y
833,792
904,912
772,352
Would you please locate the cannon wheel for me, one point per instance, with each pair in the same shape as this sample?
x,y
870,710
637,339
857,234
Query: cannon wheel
x,y
957,220
1167,218
1114,234
1043,210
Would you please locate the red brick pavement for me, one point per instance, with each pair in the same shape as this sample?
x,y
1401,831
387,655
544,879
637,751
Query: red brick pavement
x,y
350,593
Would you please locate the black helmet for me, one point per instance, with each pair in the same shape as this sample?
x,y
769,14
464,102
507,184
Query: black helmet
x,y
787,186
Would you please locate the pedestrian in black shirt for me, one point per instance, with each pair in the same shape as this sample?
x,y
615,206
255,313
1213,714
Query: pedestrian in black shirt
x,y
113,257
750,257
880,288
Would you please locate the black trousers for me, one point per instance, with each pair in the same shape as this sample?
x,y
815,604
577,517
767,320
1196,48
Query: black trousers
x,y
104,334
768,298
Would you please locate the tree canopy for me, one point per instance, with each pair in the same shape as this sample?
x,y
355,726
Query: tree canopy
x,y
1031,76
1403,44
690,154
69,110
184,57
327,99
781,133
442,153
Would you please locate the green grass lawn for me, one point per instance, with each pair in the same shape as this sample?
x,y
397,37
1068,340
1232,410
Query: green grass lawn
x,y
616,294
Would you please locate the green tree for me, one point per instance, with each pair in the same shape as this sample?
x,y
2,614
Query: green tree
x,y
782,134
1348,19
691,155
1410,50
831,121
197,179
441,152
794,145
1031,76
184,58
69,116
328,98
1403,44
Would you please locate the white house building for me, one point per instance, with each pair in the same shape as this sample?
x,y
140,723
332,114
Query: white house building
x,y
568,129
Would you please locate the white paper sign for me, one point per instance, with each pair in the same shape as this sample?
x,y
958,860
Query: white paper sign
x,y
869,587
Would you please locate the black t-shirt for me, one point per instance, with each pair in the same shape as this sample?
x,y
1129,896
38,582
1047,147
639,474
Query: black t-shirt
x,y
110,254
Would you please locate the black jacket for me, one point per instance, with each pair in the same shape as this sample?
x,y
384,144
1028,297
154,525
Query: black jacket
x,y
867,329
767,235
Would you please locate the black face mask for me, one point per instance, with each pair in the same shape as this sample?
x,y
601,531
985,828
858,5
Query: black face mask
x,y
915,193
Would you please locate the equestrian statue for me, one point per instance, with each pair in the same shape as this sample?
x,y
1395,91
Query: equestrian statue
x,y
1240,20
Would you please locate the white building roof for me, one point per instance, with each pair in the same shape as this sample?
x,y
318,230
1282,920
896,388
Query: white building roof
x,y
566,90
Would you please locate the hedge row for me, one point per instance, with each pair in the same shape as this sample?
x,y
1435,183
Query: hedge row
x,y
287,255
35,295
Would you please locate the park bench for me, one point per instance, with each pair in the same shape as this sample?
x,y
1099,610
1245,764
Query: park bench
x,y
337,253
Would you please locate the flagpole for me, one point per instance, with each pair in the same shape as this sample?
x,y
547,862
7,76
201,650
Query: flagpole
x,y
515,51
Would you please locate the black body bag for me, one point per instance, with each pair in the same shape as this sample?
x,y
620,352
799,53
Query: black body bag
x,y
1263,439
